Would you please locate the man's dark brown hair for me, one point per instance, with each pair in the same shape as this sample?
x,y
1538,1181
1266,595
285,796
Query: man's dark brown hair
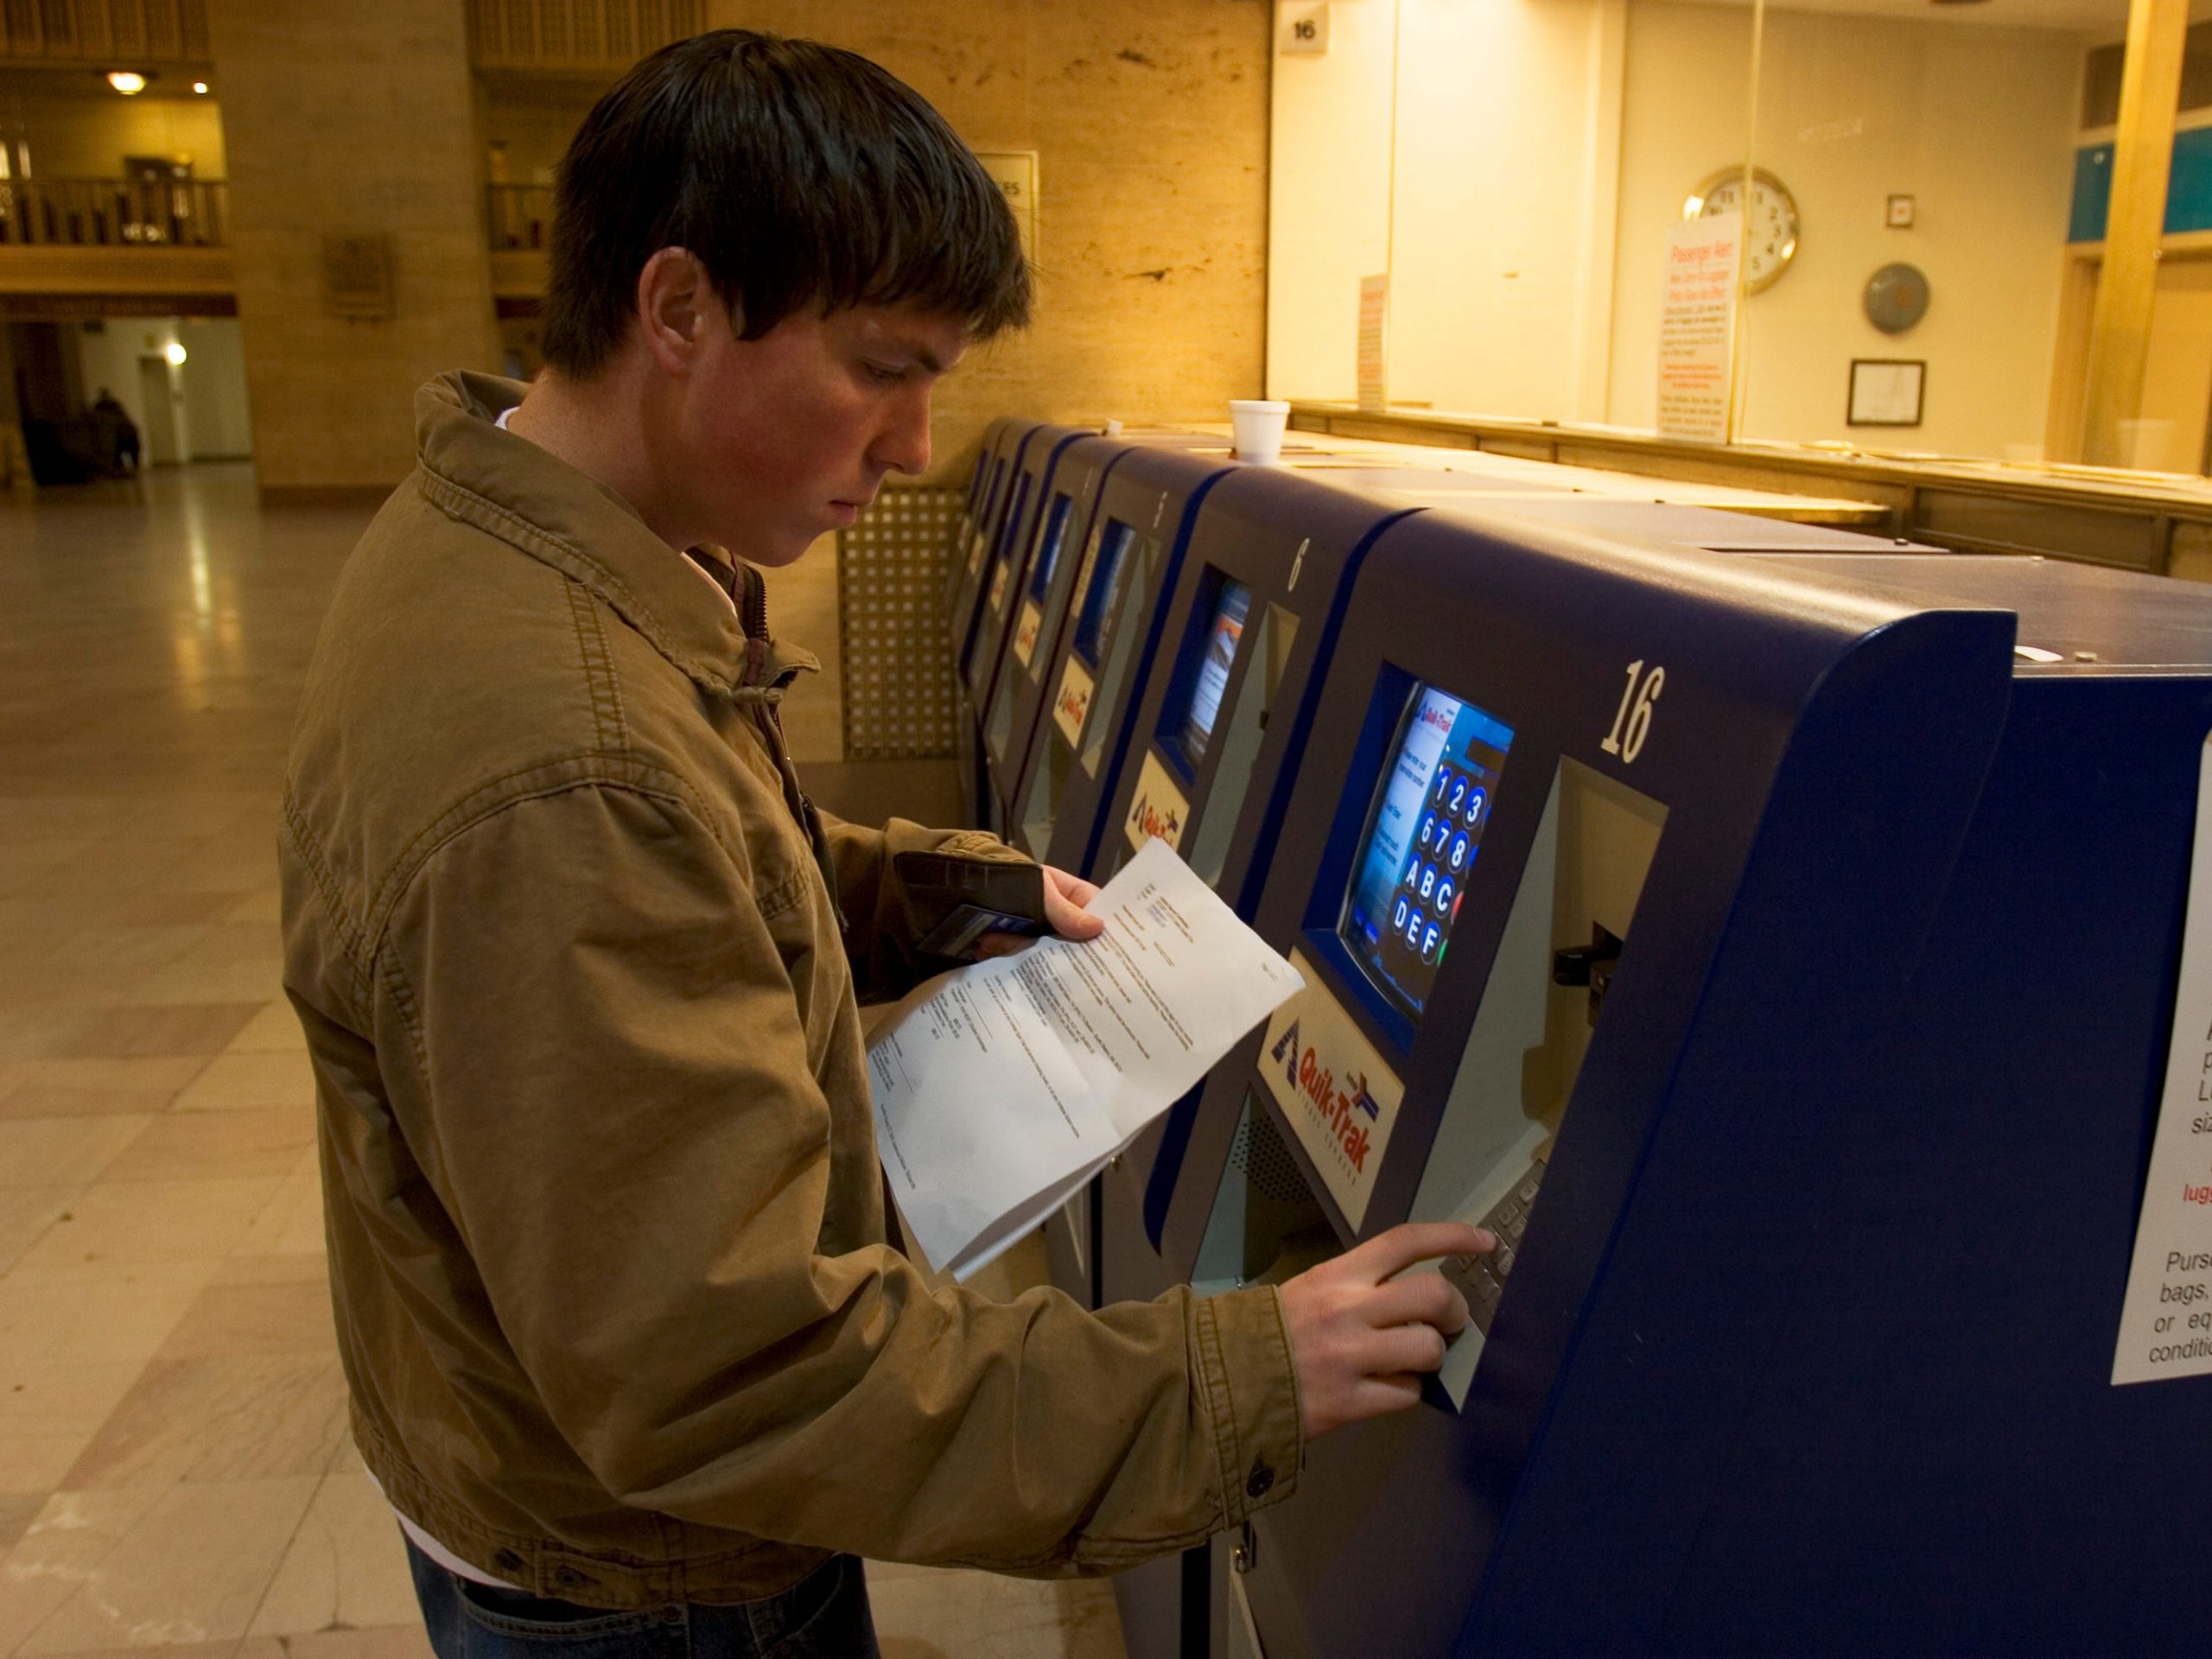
x,y
798,173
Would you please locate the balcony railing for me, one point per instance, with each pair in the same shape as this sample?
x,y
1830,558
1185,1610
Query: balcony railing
x,y
608,35
522,216
148,30
114,213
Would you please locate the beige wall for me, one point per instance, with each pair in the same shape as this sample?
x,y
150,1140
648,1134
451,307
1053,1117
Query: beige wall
x,y
1473,151
1329,205
350,121
1977,122
1150,123
78,129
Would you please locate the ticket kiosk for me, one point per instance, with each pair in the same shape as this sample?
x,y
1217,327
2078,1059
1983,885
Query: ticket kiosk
x,y
1001,541
1772,960
1027,493
1251,622
980,520
1143,517
1536,761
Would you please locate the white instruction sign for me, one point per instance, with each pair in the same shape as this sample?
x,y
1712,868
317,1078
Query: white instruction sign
x,y
1697,327
2166,1324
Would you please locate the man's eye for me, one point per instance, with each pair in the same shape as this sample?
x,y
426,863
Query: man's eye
x,y
884,374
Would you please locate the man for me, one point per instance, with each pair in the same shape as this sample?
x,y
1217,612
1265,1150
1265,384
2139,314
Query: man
x,y
577,960
112,417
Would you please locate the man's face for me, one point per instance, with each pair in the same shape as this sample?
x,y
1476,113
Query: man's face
x,y
785,438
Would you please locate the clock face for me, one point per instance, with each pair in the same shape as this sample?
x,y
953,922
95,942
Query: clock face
x,y
1769,223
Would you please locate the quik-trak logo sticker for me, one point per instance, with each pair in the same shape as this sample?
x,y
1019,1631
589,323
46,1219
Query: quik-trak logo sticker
x,y
1159,812
1072,704
1340,1097
1027,629
999,579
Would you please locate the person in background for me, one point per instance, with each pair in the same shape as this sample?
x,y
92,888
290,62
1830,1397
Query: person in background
x,y
630,1350
119,433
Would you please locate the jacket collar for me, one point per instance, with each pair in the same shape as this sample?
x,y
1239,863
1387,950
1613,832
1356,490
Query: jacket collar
x,y
507,486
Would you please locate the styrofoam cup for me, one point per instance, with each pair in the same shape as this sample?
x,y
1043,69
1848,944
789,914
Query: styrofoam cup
x,y
1257,423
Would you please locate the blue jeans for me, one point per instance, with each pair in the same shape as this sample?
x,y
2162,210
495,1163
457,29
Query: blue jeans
x,y
824,1616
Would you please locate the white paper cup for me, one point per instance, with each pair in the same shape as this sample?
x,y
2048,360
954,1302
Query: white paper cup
x,y
1258,424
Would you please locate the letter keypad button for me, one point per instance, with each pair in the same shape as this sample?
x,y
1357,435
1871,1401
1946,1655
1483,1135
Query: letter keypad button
x,y
1481,1279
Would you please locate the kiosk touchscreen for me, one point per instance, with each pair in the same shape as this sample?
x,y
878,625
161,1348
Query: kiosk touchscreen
x,y
1066,537
1605,866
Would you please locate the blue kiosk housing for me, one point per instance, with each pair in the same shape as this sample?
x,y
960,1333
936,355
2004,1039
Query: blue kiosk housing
x,y
1065,538
1797,1014
980,650
980,521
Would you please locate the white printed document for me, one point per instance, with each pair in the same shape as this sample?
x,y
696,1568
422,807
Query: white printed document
x,y
1001,1088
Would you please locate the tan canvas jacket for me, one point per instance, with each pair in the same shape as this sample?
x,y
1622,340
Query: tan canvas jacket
x,y
606,1226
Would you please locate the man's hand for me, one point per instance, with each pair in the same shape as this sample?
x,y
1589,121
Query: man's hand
x,y
1065,896
1360,1336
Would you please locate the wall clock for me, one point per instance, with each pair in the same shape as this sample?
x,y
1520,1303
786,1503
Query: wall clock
x,y
1770,223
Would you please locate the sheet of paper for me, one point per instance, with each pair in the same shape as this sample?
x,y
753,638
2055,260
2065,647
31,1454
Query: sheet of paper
x,y
2165,1322
1000,1087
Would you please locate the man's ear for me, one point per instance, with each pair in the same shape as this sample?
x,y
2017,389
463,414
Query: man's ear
x,y
674,304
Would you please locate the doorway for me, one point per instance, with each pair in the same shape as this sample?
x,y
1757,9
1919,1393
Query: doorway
x,y
157,395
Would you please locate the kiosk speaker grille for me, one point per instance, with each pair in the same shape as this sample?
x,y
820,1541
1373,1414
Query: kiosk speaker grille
x,y
1259,1156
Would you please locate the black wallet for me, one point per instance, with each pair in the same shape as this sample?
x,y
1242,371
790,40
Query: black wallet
x,y
955,901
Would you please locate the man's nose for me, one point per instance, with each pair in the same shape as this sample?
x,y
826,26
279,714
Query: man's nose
x,y
904,443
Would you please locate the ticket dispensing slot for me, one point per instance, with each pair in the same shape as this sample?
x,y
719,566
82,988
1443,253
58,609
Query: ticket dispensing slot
x,y
1110,595
1563,938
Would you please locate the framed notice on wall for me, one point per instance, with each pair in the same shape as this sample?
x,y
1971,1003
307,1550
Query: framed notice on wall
x,y
1886,391
356,277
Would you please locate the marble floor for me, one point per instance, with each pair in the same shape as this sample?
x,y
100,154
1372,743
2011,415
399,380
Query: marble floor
x,y
175,1472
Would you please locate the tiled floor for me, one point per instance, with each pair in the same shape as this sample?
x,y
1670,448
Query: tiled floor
x,y
174,1468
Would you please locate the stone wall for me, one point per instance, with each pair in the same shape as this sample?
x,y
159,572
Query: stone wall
x,y
1150,123
350,121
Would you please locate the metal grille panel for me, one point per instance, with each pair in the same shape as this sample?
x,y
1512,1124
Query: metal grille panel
x,y
1258,1154
901,695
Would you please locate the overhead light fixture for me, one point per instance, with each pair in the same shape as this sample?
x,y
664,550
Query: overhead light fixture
x,y
129,82
200,86
175,353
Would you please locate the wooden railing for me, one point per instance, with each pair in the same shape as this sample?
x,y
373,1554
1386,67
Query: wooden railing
x,y
521,216
576,34
114,213
136,31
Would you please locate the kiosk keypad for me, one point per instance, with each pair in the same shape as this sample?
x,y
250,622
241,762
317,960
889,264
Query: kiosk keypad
x,y
1481,1279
